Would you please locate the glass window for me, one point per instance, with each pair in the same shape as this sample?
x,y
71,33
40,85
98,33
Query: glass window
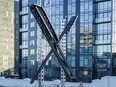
x,y
109,48
32,16
105,5
32,51
24,9
105,14
24,2
81,63
73,30
109,27
61,9
24,52
82,18
73,8
85,62
25,19
105,27
72,63
57,10
57,1
69,38
109,14
24,62
100,15
86,5
53,9
32,62
81,57
100,28
32,42
105,37
24,43
57,20
82,8
109,37
90,18
32,24
25,25
53,19
90,7
101,6
25,36
86,16
32,33
109,5
81,29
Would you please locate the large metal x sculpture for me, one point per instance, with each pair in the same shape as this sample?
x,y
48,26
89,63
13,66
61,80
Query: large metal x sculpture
x,y
50,35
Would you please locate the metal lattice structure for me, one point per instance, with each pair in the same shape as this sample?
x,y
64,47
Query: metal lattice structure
x,y
51,37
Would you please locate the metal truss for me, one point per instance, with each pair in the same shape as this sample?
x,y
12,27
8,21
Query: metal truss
x,y
50,35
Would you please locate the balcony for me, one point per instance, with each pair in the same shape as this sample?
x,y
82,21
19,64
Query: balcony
x,y
97,20
23,29
23,46
24,4
23,12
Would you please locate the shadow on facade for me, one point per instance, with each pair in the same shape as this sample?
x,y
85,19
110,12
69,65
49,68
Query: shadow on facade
x,y
9,73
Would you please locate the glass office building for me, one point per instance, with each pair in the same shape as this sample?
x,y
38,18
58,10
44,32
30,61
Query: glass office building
x,y
90,45
23,38
102,36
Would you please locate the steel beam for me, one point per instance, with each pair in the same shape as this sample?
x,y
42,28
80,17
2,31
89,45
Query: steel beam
x,y
52,39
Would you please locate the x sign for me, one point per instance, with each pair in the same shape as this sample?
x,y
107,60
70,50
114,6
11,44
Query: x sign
x,y
50,35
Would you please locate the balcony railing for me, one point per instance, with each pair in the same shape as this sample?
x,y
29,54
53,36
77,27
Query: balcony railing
x,y
23,46
97,20
23,29
23,12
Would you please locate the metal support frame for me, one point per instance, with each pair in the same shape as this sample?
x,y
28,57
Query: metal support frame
x,y
51,37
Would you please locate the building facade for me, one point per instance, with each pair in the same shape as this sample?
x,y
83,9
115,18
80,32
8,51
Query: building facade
x,y
23,38
16,32
90,45
6,37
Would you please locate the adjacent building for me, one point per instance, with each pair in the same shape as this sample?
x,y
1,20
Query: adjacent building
x,y
6,37
90,45
16,38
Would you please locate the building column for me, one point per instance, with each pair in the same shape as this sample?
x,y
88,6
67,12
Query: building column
x,y
63,44
40,60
